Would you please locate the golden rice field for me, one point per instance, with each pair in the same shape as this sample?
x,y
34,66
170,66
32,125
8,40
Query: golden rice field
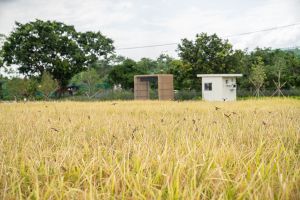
x,y
248,149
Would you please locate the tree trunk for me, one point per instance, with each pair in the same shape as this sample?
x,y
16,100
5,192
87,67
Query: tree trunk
x,y
62,89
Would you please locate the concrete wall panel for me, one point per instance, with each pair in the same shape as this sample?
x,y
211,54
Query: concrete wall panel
x,y
165,86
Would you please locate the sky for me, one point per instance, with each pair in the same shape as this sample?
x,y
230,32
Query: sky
x,y
133,23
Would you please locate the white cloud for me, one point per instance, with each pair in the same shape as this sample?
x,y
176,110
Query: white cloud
x,y
142,22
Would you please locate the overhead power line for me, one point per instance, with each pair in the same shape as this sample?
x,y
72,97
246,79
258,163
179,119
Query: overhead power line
x,y
148,46
264,30
234,35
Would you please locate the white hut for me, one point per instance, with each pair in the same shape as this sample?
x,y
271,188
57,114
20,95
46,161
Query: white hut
x,y
219,87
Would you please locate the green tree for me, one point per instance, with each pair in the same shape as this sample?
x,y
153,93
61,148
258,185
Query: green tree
x,y
159,66
123,74
279,72
88,81
258,75
163,63
207,54
147,65
47,85
180,71
54,47
290,73
292,69
18,88
2,39
2,82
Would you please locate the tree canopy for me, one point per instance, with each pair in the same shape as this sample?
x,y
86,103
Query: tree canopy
x,y
54,47
123,74
206,54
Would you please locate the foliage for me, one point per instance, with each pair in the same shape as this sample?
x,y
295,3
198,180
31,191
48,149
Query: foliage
x,y
88,81
19,89
2,39
207,54
2,82
54,47
163,63
159,66
180,71
258,75
47,85
123,74
182,95
291,71
147,65
1,58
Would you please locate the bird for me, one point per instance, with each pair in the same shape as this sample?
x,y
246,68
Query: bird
x,y
264,123
134,130
89,117
227,115
63,168
54,129
114,104
217,108
234,113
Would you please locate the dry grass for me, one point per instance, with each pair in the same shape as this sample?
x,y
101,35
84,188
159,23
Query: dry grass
x,y
150,150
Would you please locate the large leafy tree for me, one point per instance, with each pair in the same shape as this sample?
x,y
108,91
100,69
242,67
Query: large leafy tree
x,y
180,71
123,74
54,47
164,63
206,54
147,65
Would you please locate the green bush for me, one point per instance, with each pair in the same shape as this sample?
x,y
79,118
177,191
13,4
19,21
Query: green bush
x,y
187,95
106,95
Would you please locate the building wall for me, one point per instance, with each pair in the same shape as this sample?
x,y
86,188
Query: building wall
x,y
217,86
221,90
229,88
141,89
165,86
